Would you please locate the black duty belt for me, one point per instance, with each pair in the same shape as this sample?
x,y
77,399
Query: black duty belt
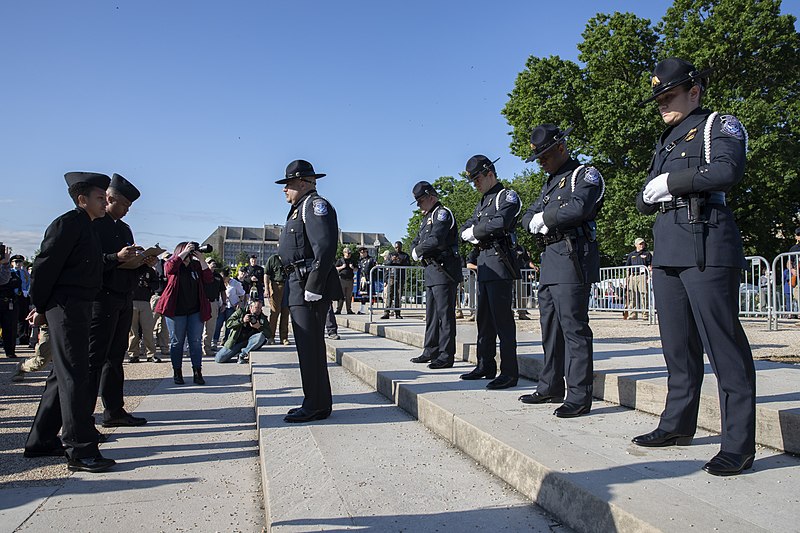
x,y
712,198
558,235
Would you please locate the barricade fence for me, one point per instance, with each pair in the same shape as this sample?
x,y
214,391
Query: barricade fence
x,y
766,290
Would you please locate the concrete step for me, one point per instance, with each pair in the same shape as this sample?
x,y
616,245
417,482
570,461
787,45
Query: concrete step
x,y
634,376
370,465
585,471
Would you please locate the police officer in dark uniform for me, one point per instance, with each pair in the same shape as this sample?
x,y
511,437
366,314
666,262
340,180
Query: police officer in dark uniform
x,y
112,310
255,278
491,228
307,248
697,262
436,245
562,219
67,274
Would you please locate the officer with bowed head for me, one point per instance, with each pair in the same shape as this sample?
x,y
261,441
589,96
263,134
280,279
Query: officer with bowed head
x,y
491,230
697,262
307,248
436,245
562,219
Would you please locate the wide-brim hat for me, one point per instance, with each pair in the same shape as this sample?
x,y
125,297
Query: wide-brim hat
x,y
92,178
299,169
545,137
124,187
477,165
421,189
674,72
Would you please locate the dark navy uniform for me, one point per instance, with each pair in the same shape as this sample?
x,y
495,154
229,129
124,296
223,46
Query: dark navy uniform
x,y
436,244
493,225
569,202
697,265
308,247
697,262
112,312
67,274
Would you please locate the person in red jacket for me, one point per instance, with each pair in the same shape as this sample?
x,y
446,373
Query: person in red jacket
x,y
185,307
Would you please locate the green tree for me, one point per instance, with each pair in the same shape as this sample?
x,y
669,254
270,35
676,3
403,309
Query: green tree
x,y
754,50
241,258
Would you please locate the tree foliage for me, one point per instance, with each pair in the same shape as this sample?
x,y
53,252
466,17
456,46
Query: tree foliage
x,y
755,53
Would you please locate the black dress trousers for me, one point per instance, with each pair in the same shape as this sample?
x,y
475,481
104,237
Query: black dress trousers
x,y
308,324
112,314
698,309
440,322
567,340
496,319
66,397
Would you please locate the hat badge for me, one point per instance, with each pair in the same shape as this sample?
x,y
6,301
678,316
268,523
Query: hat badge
x,y
655,81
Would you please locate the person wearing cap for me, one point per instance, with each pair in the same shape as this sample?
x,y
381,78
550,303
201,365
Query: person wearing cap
x,y
23,298
436,245
346,268
636,289
112,310
365,265
491,229
278,312
10,284
255,277
395,278
697,263
67,274
563,221
307,247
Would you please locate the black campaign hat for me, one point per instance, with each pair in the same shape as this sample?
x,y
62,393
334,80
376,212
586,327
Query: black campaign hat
x,y
299,169
92,178
124,187
478,164
421,189
544,137
673,72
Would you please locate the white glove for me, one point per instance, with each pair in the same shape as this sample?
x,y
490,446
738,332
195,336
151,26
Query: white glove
x,y
544,229
468,236
536,223
312,297
657,190
414,255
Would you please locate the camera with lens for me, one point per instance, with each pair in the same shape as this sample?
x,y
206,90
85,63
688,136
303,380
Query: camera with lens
x,y
206,248
254,320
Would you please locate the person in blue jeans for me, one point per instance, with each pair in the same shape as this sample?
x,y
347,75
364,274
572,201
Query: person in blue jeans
x,y
249,330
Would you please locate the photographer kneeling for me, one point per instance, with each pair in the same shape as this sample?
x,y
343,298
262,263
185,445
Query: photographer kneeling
x,y
249,330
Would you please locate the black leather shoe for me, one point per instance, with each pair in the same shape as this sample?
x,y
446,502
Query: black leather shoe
x,y
536,397
729,464
502,382
659,438
98,463
422,359
302,415
51,452
385,317
126,419
436,364
571,410
293,410
177,377
480,372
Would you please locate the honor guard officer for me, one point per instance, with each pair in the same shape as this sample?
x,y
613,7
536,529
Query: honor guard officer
x,y
112,310
436,245
307,248
67,274
562,219
491,228
697,262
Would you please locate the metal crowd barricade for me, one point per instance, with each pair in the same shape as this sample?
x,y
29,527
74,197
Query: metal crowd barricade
x,y
625,289
755,295
526,290
784,289
396,288
466,297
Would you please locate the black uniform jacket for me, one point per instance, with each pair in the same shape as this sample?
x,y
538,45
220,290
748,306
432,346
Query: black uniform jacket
x,y
571,212
70,262
114,236
437,241
673,241
493,221
309,240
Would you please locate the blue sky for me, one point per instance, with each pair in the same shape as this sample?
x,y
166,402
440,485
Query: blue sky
x,y
203,104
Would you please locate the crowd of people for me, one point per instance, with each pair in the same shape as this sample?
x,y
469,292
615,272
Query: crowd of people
x,y
95,296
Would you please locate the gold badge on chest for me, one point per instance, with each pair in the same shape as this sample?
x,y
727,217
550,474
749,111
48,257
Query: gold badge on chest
x,y
294,216
562,182
690,135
